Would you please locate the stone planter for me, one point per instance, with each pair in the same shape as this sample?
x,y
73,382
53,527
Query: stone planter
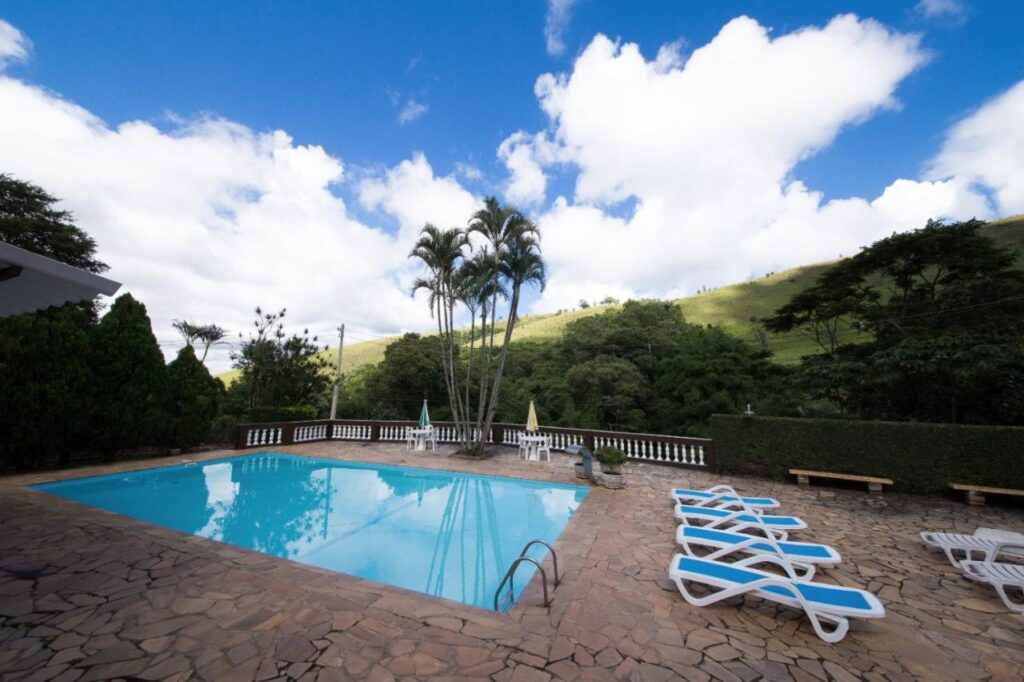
x,y
612,481
580,473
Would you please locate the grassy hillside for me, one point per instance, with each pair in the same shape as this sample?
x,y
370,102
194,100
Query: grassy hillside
x,y
729,307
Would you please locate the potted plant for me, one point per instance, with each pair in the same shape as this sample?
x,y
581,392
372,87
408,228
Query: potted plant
x,y
611,460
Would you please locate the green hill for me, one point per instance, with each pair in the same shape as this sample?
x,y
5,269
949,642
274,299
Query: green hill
x,y
730,307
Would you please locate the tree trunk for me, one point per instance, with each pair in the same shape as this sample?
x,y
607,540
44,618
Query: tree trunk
x,y
509,325
469,362
440,340
485,370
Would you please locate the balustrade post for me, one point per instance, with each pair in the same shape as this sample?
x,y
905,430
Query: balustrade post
x,y
497,434
240,434
588,441
288,434
375,432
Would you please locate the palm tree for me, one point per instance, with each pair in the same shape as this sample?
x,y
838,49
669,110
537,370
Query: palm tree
x,y
520,264
441,251
499,225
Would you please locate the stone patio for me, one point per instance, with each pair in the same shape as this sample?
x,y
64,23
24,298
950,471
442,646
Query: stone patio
x,y
89,595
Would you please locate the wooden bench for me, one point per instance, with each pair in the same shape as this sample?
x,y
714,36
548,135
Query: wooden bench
x,y
803,477
975,494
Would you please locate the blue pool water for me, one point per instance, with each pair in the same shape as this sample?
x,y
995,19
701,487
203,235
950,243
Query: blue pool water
x,y
443,533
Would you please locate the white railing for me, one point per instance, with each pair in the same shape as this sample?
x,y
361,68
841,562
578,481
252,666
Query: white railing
x,y
691,452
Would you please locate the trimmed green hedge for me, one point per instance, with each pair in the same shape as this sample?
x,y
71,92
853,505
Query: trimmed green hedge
x,y
297,413
919,458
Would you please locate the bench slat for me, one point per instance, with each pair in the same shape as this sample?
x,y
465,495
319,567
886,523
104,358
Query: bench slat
x,y
841,477
966,487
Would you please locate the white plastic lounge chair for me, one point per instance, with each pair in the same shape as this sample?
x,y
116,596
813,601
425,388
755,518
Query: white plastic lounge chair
x,y
803,555
717,496
960,547
738,521
999,576
827,606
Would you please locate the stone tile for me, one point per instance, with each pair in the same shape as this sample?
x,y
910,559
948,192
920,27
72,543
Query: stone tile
x,y
122,598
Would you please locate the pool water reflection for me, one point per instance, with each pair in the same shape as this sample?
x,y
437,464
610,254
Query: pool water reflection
x,y
447,534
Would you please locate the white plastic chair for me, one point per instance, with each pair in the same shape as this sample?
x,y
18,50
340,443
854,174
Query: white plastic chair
x,y
544,449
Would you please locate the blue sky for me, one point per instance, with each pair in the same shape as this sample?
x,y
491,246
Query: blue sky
x,y
329,72
337,77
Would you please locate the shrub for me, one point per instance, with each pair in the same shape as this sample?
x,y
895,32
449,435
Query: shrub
x,y
292,413
920,458
222,431
609,457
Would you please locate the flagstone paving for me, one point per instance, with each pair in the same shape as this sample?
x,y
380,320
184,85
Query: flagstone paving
x,y
87,595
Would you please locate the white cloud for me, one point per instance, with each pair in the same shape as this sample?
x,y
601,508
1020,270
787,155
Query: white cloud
x,y
14,46
208,219
555,23
987,147
413,195
706,148
931,9
524,155
411,111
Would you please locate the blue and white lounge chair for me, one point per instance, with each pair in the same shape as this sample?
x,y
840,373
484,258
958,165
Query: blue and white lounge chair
x,y
718,496
804,556
825,605
738,520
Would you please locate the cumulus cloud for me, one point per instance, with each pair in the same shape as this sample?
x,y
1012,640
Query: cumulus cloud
x,y
14,46
411,111
413,195
987,148
705,148
524,156
555,23
209,218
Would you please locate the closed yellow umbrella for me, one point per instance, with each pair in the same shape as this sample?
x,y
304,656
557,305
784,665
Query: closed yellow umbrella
x,y
531,419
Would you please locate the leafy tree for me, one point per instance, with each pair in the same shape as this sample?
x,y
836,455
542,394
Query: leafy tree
x,y
610,392
131,378
410,373
48,398
923,325
29,220
194,399
278,370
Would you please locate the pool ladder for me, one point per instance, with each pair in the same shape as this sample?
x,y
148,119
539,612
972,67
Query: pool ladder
x,y
543,574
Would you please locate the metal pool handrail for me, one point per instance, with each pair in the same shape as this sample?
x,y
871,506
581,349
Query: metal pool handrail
x,y
543,574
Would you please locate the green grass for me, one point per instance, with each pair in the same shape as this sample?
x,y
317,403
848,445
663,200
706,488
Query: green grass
x,y
730,307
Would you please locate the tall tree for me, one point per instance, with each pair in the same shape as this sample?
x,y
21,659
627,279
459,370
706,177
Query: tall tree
x,y
934,320
131,378
194,399
441,252
278,370
208,335
508,259
30,220
520,264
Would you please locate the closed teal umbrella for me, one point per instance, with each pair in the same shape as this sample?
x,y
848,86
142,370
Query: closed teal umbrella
x,y
424,416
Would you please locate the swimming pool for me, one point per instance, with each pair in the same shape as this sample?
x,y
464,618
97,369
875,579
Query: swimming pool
x,y
443,533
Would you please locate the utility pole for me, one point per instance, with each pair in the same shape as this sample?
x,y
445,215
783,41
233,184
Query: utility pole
x,y
337,372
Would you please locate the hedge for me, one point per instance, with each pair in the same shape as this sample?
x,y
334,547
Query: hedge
x,y
919,458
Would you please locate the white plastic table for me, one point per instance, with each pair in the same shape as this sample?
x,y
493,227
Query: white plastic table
x,y
531,446
420,436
